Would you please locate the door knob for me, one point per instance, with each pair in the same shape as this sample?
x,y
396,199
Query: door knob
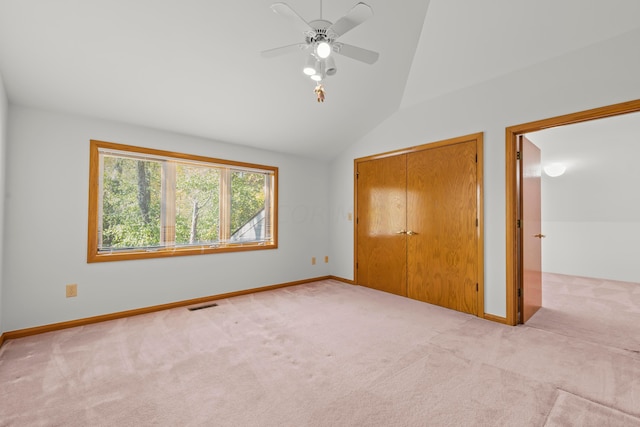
x,y
401,232
411,232
539,236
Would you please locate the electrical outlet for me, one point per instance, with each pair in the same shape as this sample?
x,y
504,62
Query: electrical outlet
x,y
326,259
313,260
72,290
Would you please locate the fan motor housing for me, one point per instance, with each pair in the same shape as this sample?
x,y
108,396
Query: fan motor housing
x,y
321,34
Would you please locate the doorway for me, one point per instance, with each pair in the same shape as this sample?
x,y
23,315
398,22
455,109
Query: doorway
x,y
515,193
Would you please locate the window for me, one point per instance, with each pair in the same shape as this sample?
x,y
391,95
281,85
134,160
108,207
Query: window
x,y
146,203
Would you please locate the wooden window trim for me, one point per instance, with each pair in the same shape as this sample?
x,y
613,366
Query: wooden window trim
x,y
168,231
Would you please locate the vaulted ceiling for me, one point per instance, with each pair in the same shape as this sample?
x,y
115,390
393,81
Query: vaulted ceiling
x,y
194,66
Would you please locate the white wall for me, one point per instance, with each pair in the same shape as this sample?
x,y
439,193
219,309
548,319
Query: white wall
x,y
600,249
46,232
4,111
602,74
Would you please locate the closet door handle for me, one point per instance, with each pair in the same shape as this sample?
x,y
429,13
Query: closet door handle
x,y
401,232
411,233
539,236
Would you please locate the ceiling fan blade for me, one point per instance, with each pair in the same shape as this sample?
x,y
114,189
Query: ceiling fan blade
x,y
356,16
357,53
292,16
271,53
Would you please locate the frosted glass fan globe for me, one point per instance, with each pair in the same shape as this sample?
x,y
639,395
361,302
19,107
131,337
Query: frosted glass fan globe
x,y
323,50
310,66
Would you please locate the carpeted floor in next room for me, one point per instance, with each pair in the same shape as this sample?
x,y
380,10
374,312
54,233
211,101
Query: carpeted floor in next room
x,y
322,354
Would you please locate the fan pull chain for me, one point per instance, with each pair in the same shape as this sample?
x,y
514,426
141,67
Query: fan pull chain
x,y
320,9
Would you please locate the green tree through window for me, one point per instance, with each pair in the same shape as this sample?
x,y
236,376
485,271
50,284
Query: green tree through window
x,y
247,197
131,203
197,204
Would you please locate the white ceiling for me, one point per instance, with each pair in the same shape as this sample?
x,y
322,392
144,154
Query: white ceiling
x,y
465,42
193,66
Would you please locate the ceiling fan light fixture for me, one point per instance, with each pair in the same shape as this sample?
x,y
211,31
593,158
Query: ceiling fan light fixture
x,y
330,66
320,73
323,49
320,40
310,67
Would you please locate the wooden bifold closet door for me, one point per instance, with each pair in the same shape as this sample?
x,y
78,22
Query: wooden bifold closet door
x,y
417,225
381,224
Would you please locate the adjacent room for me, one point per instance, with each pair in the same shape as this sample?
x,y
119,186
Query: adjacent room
x,y
590,213
183,229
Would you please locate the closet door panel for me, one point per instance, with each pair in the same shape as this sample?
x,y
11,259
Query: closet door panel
x,y
381,222
442,258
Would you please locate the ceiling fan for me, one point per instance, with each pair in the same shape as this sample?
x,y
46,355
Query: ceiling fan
x,y
321,39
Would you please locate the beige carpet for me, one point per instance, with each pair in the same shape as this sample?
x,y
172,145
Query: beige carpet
x,y
570,410
320,354
605,312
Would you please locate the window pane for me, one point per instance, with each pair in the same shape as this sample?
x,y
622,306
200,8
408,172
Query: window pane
x,y
248,201
130,203
197,204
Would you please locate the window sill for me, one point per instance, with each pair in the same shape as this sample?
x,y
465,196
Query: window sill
x,y
172,252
